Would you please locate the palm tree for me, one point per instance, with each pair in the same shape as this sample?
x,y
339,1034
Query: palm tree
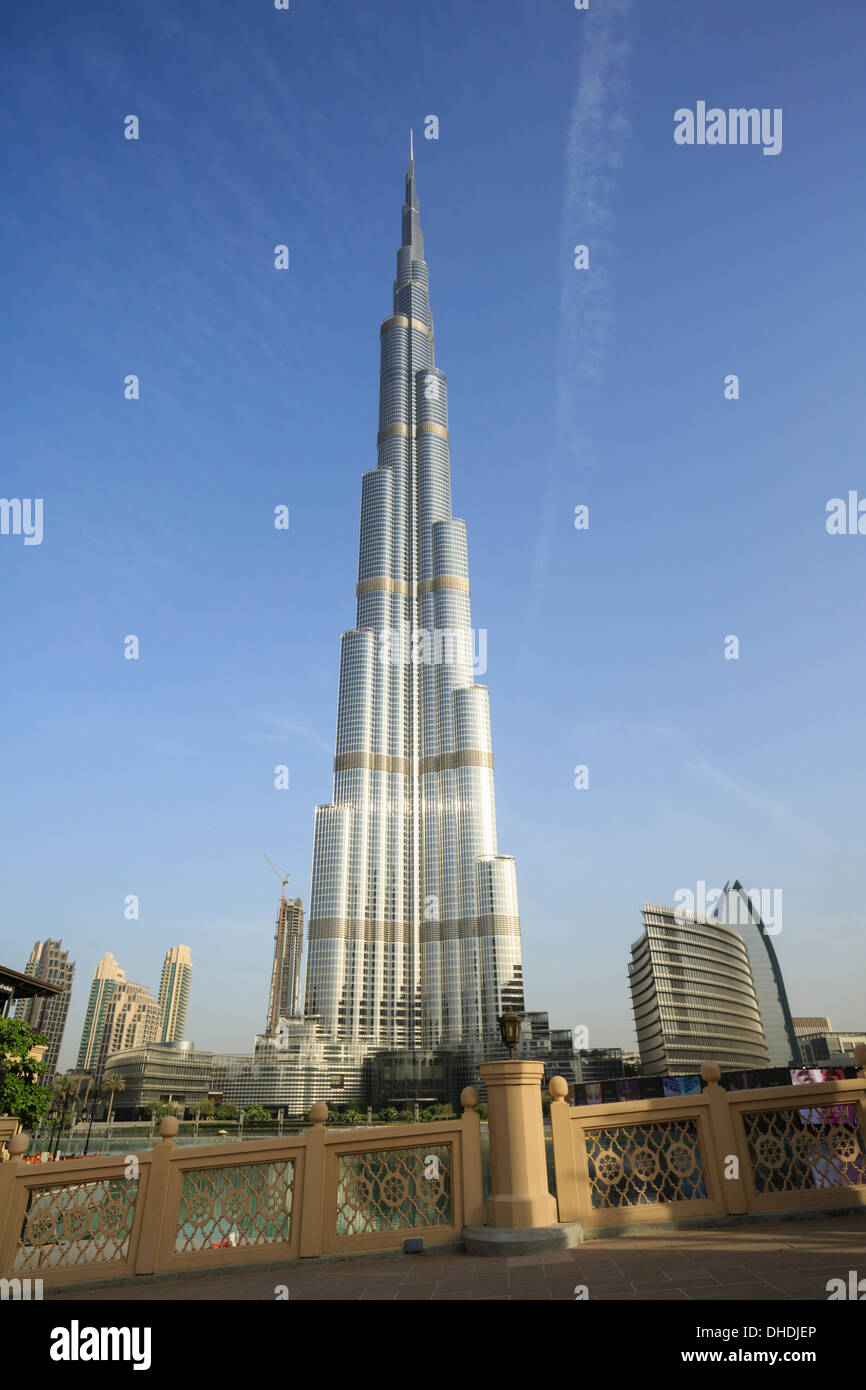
x,y
112,1082
61,1091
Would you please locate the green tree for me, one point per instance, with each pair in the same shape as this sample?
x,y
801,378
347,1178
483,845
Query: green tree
x,y
205,1109
20,1094
257,1115
158,1109
390,1115
226,1111
111,1083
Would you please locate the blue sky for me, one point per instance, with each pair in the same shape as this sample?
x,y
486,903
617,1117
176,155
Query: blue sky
x,y
602,387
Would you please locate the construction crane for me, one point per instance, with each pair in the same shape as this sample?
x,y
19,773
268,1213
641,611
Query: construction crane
x,y
283,881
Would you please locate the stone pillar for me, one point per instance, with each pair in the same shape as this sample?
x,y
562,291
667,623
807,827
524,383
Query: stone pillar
x,y
519,1195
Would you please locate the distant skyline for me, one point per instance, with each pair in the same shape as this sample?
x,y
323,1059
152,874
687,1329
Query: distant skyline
x,y
154,779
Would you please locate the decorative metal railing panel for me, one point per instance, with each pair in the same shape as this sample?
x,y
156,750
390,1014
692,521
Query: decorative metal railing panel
x,y
76,1224
804,1150
645,1164
394,1189
248,1204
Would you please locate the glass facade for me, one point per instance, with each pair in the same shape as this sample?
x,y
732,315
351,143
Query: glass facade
x,y
414,929
693,996
736,908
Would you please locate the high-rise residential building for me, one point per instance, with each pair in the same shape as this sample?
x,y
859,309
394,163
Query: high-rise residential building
x,y
120,1014
740,910
693,995
414,931
284,1000
132,1021
174,994
106,978
47,1015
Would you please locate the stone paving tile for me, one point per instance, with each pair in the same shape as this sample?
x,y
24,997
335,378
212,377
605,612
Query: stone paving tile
x,y
718,1276
787,1262
755,1293
813,1284
418,1288
583,1276
653,1296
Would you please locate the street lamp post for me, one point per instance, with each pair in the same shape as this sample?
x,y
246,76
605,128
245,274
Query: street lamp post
x,y
90,1126
60,1127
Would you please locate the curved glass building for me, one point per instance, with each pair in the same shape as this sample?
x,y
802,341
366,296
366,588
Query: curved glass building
x,y
693,996
414,932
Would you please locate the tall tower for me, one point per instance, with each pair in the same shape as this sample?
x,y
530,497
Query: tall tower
x,y
174,994
414,932
48,1015
284,999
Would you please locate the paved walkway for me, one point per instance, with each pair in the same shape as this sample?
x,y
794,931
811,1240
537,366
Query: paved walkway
x,y
786,1260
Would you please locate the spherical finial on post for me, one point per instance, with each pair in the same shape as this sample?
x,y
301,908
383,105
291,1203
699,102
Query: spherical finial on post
x,y
469,1098
711,1072
318,1113
168,1128
558,1088
18,1144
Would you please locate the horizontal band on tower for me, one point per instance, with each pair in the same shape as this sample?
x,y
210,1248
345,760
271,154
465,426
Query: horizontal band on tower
x,y
444,581
449,762
381,583
449,929
401,321
402,767
384,584
372,762
432,428
393,429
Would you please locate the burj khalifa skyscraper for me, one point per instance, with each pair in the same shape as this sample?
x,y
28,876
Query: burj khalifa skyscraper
x,y
414,930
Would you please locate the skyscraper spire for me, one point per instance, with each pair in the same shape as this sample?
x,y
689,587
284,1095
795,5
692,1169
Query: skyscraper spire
x,y
414,932
412,151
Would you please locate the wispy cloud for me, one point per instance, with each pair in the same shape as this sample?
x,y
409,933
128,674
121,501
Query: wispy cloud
x,y
277,730
597,138
690,759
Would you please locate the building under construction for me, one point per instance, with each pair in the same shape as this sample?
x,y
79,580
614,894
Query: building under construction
x,y
285,996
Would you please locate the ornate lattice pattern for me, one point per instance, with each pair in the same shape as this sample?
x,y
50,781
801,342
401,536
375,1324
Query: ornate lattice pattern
x,y
394,1189
250,1204
642,1165
77,1224
800,1150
